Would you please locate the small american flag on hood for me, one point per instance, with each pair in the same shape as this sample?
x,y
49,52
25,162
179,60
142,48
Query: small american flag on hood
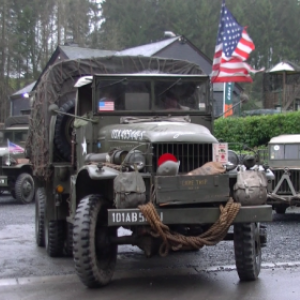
x,y
12,147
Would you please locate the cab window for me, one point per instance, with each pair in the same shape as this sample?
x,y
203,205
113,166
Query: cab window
x,y
287,152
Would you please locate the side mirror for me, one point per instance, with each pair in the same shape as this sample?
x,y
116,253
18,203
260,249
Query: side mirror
x,y
53,108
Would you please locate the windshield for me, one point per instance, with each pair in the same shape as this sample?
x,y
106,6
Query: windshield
x,y
17,137
156,94
290,151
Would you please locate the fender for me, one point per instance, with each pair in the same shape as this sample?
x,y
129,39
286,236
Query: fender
x,y
97,173
18,166
86,175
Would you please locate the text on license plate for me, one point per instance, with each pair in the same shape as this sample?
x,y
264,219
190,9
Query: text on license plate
x,y
130,217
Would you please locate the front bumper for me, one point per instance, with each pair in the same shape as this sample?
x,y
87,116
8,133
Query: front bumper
x,y
197,215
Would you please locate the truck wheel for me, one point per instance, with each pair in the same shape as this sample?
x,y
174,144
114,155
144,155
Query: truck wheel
x,y
68,249
12,185
40,199
95,257
280,209
24,188
13,193
63,130
247,249
54,238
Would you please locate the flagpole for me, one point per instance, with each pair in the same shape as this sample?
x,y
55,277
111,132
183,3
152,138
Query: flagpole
x,y
8,155
224,92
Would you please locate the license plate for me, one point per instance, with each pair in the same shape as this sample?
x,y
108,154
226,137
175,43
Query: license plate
x,y
129,217
3,181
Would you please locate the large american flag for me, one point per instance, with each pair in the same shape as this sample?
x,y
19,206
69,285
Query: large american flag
x,y
106,106
233,47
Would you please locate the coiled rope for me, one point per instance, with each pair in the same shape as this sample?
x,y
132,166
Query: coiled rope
x,y
175,241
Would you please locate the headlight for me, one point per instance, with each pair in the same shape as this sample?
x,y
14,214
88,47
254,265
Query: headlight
x,y
135,158
118,156
9,161
233,158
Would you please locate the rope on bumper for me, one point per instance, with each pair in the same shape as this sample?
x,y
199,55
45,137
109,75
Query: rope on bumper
x,y
175,241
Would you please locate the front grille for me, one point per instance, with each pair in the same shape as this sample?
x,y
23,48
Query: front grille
x,y
191,156
284,188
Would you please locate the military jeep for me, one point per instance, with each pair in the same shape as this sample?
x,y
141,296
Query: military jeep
x,y
141,157
284,161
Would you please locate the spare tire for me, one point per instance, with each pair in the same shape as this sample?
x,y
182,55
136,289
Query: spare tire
x,y
64,129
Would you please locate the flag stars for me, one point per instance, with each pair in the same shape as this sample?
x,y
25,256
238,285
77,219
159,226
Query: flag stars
x,y
230,56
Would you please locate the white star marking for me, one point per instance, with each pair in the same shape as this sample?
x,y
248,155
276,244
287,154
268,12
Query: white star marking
x,y
84,146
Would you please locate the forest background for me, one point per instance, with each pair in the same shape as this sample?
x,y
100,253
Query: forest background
x,y
30,31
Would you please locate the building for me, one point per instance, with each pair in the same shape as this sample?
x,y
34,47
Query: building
x,y
281,87
20,102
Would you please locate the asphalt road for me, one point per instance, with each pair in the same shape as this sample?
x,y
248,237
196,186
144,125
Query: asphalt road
x,y
22,262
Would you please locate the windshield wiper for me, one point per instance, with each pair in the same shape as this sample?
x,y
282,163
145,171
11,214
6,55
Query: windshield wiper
x,y
123,80
130,120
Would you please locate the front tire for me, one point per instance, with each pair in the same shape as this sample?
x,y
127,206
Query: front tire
x,y
95,257
40,200
247,248
24,188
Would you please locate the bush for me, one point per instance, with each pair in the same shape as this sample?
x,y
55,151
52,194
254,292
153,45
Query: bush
x,y
256,131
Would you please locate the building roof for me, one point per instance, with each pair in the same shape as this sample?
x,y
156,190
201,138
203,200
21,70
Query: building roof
x,y
148,49
27,89
68,52
75,52
284,66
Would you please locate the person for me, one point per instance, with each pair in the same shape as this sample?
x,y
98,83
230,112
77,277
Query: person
x,y
172,103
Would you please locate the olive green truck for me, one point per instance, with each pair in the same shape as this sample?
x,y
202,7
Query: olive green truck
x,y
126,142
15,169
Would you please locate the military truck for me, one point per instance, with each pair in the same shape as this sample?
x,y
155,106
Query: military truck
x,y
15,169
284,160
138,154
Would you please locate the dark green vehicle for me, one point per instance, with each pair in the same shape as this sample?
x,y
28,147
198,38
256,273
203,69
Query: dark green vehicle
x,y
15,168
141,157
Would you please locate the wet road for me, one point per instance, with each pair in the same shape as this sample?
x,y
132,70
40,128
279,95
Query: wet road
x,y
22,261
181,284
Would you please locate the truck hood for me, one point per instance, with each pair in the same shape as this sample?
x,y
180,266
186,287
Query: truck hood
x,y
157,132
